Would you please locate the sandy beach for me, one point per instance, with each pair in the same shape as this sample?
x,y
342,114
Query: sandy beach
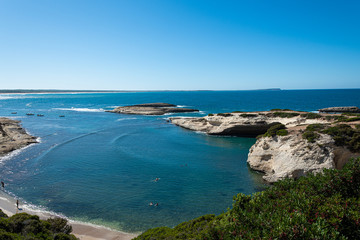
x,y
83,231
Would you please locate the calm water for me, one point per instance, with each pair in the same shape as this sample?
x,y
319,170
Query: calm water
x,y
99,167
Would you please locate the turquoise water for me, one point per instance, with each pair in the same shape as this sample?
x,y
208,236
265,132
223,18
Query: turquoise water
x,y
100,167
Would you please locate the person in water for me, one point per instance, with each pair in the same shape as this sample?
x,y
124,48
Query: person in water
x,y
150,204
2,185
157,204
17,204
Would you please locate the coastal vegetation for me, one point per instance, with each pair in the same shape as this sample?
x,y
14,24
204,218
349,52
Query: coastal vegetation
x,y
24,226
311,115
322,206
343,134
285,114
276,130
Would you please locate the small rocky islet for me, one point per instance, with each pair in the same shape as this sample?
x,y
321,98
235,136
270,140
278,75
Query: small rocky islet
x,y
152,109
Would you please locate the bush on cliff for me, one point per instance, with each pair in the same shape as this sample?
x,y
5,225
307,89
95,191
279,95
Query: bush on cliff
x,y
24,226
285,114
322,206
275,130
345,135
311,115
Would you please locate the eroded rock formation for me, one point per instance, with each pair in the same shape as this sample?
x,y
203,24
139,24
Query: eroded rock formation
x,y
13,136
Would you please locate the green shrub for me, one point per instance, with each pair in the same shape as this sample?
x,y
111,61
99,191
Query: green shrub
x,y
285,114
248,115
193,229
59,225
275,130
25,226
352,119
310,136
224,114
337,118
315,127
345,135
279,109
237,111
210,114
311,115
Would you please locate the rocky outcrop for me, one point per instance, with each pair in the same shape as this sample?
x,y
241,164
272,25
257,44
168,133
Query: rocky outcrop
x,y
277,156
291,156
12,136
240,124
340,110
151,109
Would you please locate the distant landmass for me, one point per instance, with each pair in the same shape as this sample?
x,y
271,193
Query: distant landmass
x,y
112,91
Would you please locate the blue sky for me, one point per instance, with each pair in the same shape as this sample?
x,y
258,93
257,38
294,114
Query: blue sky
x,y
179,44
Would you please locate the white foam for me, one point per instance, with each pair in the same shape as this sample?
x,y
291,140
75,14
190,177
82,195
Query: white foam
x,y
14,153
182,106
81,109
122,119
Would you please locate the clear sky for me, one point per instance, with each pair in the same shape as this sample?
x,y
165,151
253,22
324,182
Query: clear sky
x,y
179,44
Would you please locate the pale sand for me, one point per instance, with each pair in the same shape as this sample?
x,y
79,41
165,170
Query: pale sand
x,y
81,230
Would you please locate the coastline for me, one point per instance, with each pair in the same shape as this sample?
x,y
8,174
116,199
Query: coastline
x,y
14,140
83,231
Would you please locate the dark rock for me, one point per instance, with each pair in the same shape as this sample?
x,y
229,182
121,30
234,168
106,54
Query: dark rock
x,y
352,109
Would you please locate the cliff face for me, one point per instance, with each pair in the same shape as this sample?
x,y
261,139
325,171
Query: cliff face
x,y
291,156
240,124
12,136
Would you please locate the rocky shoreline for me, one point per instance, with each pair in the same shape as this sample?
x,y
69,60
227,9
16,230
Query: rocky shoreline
x,y
152,109
13,136
278,156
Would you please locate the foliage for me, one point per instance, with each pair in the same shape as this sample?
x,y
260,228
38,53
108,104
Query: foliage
x,y
337,118
237,111
311,115
276,130
248,115
224,114
210,114
279,109
352,119
193,229
24,226
311,134
322,206
285,114
345,135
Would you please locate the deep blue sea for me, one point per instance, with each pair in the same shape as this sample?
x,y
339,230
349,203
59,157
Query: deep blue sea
x,y
99,167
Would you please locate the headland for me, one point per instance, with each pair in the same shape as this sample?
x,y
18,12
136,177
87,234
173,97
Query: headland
x,y
290,144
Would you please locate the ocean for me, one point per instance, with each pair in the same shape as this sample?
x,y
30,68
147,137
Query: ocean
x,y
99,167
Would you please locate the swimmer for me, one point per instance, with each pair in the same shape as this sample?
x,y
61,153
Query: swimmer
x,y
150,204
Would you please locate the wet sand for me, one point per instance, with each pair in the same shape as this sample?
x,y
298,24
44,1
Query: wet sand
x,y
83,231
